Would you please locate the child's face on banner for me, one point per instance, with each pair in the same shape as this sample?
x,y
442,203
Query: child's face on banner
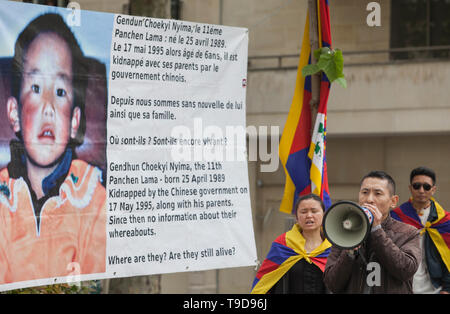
x,y
46,97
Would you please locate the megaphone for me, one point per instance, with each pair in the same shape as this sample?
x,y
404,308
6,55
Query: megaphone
x,y
346,224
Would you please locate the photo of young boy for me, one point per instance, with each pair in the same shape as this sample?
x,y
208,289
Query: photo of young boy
x,y
52,204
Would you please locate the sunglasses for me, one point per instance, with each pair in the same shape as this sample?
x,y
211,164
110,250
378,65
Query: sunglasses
x,y
417,186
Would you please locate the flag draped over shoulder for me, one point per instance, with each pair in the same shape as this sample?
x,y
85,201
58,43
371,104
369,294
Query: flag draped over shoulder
x,y
285,251
439,229
304,156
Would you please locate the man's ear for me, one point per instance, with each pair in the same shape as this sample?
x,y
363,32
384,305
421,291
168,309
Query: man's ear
x,y
394,201
75,123
12,109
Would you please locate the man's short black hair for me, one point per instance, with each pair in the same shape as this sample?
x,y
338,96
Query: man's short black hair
x,y
422,171
53,24
383,176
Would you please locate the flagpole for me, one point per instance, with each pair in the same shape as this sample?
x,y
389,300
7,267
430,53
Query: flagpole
x,y
314,43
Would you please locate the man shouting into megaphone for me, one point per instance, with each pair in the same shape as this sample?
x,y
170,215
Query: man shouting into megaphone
x,y
388,258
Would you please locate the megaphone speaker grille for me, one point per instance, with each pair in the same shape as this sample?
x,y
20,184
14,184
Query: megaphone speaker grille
x,y
346,224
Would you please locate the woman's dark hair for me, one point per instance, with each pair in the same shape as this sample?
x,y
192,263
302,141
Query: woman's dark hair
x,y
53,24
307,197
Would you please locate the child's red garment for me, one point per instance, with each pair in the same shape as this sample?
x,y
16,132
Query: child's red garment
x,y
72,227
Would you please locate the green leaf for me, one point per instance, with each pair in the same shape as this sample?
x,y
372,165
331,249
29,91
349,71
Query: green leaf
x,y
327,65
331,62
339,61
342,81
321,51
310,69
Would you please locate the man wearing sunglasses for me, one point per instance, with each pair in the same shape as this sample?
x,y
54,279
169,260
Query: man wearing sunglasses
x,y
424,212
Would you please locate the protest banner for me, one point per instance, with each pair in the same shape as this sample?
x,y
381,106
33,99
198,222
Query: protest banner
x,y
122,146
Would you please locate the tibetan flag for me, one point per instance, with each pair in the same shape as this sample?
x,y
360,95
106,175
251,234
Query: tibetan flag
x,y
285,251
438,230
304,156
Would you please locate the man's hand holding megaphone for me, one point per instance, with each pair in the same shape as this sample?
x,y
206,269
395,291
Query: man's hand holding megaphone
x,y
377,214
376,224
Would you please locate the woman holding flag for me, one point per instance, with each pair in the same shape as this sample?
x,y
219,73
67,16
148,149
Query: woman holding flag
x,y
297,258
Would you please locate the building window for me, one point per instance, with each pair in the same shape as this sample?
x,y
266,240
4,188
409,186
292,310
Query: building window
x,y
175,7
420,23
